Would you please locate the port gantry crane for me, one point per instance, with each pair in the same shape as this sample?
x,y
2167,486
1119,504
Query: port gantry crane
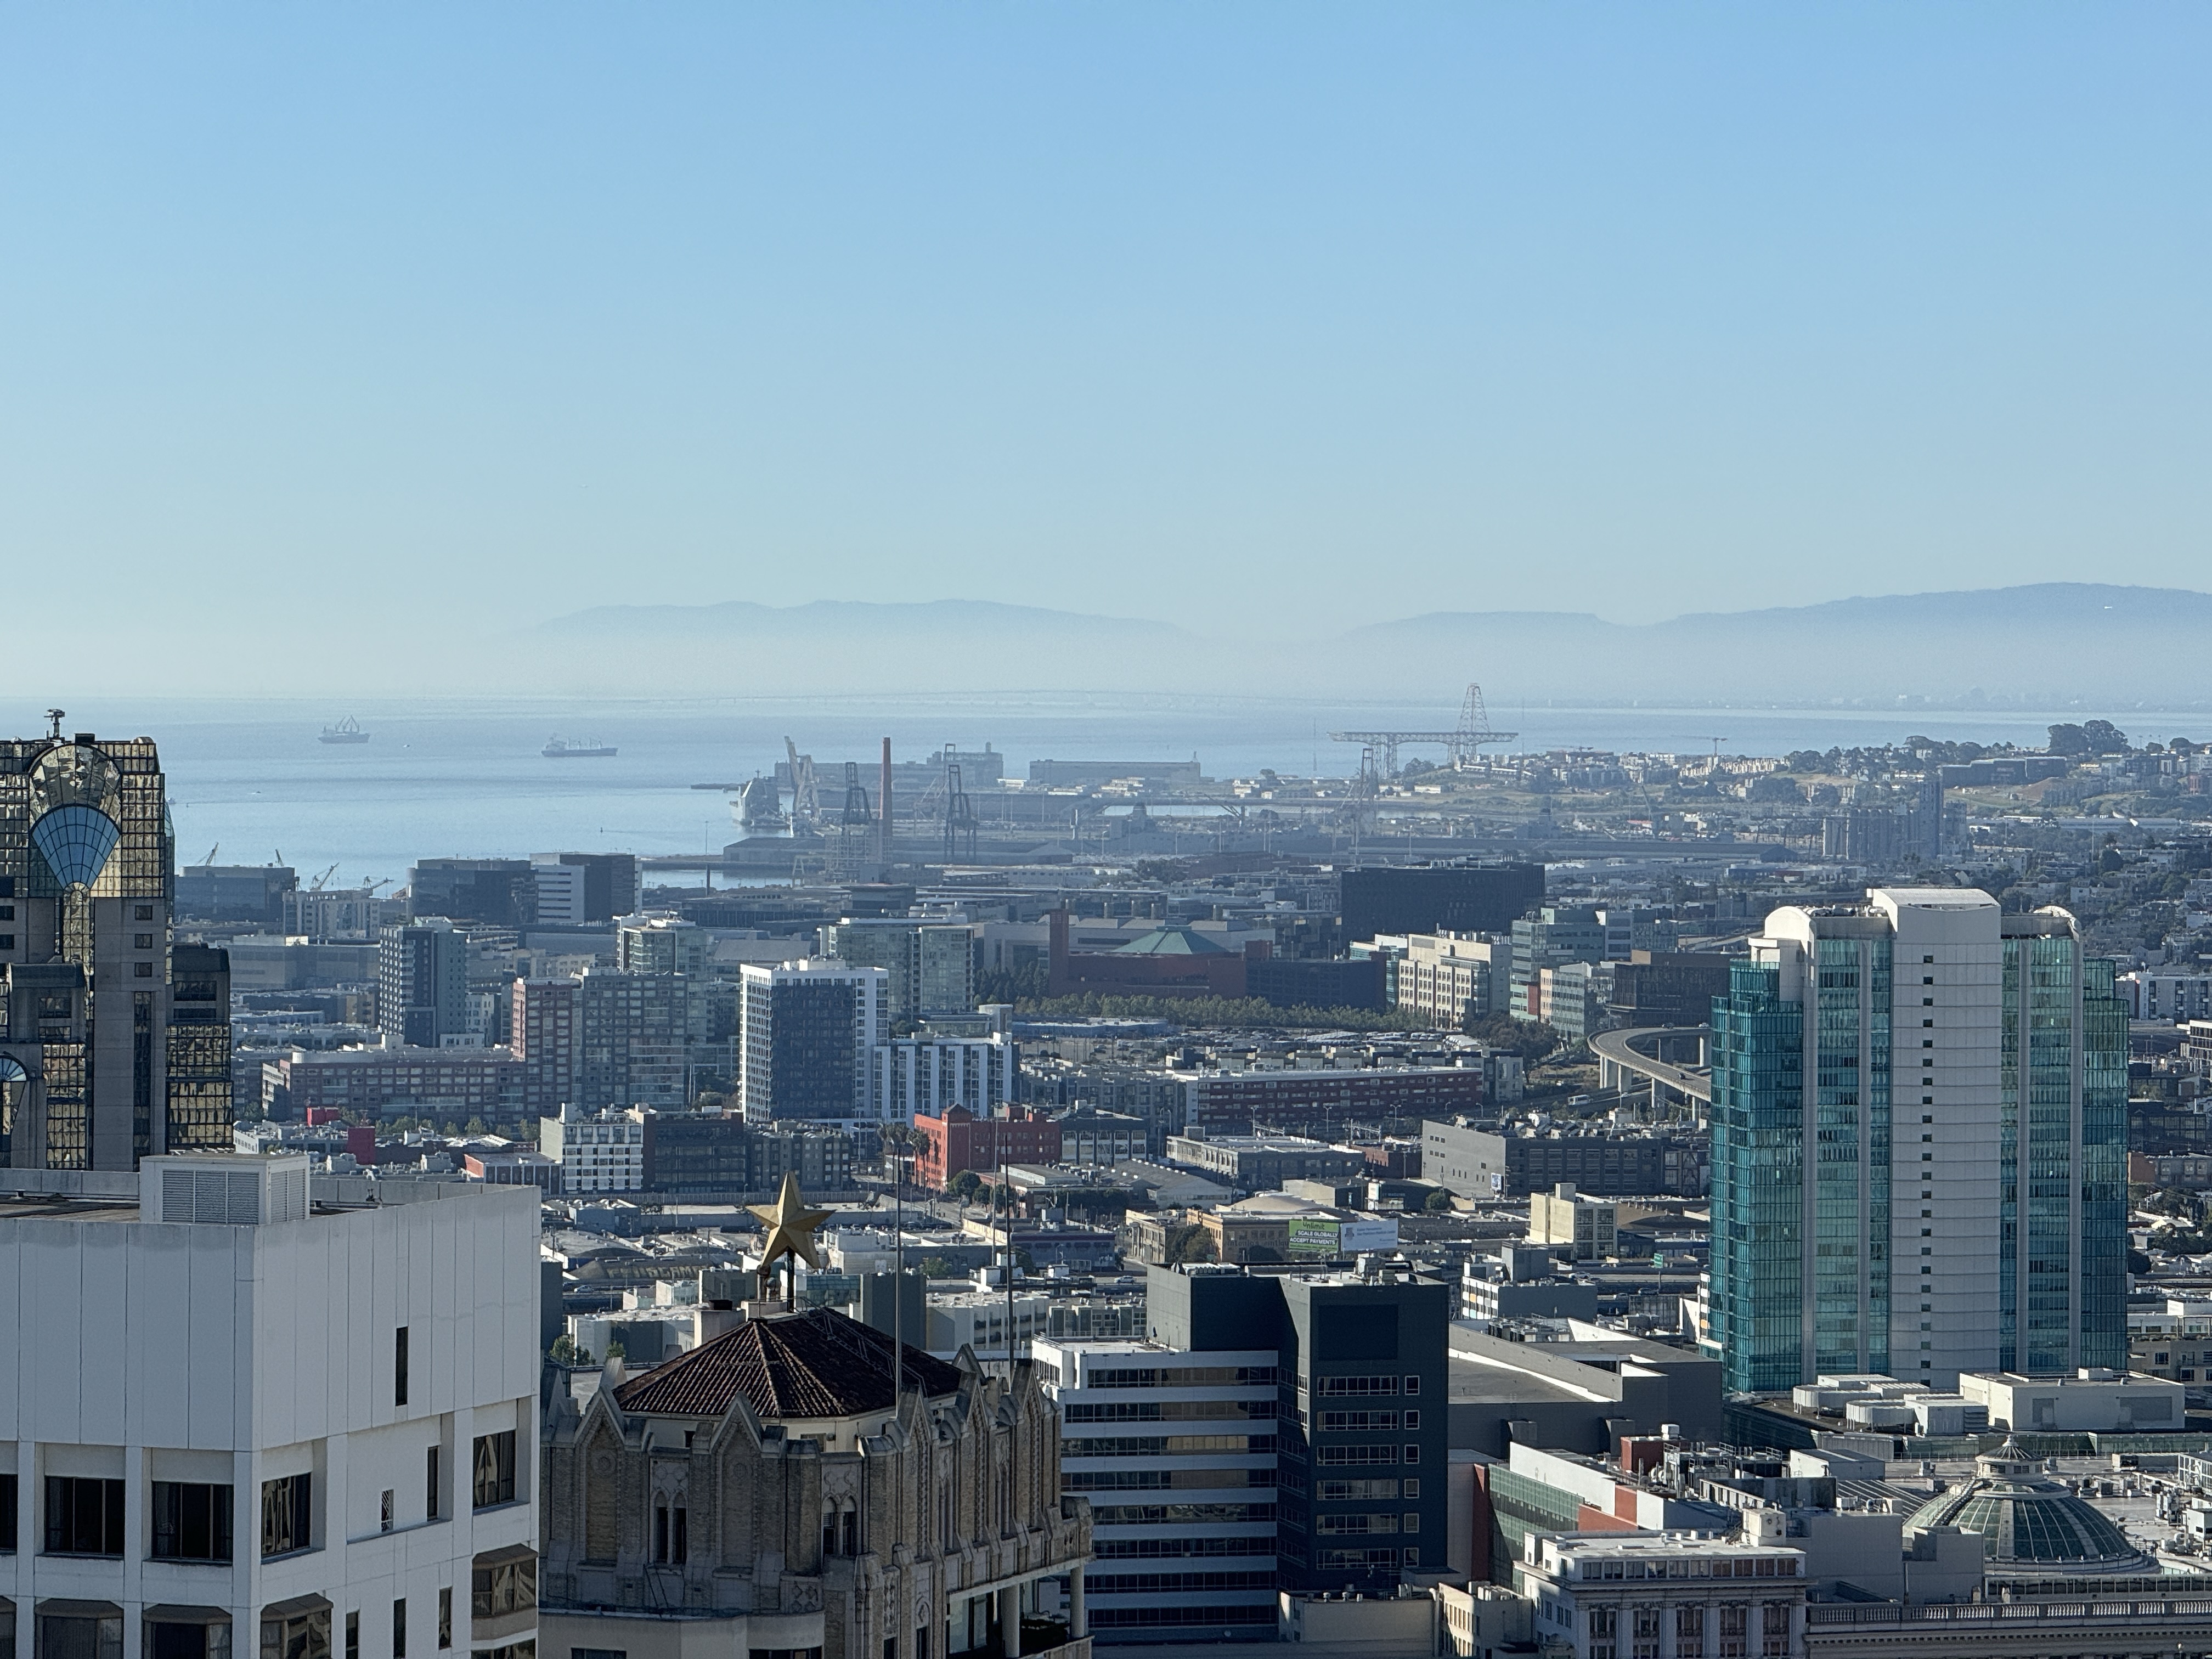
x,y
1464,743
805,792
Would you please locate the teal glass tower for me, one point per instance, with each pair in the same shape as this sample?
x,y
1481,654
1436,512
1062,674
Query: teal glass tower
x,y
2063,1149
1919,1146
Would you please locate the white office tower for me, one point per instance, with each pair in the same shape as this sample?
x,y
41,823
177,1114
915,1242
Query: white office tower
x,y
1919,1112
1176,1450
234,1422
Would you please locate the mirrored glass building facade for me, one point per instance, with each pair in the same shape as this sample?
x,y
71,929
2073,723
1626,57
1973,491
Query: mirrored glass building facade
x,y
108,1052
1919,1146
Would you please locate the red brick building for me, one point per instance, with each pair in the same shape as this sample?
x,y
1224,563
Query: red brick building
x,y
960,1140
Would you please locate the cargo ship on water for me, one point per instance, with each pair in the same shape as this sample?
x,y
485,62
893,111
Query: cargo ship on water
x,y
346,730
576,749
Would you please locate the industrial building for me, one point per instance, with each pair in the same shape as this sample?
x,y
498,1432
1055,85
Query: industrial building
x,y
459,1084
960,1141
1257,1163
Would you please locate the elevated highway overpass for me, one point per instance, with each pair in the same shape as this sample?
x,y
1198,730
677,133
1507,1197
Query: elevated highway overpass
x,y
1636,1053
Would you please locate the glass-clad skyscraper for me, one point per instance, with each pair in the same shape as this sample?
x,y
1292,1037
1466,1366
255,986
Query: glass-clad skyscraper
x,y
2062,1294
112,1045
1919,1146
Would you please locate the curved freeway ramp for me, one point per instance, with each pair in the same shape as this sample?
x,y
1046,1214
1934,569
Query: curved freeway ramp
x,y
1617,1053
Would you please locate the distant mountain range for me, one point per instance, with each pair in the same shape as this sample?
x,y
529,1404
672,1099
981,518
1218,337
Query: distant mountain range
x,y
835,621
2047,644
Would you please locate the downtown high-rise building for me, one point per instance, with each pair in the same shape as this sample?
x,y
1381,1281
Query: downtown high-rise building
x,y
1919,1146
600,1040
114,1046
648,944
574,889
807,1032
931,965
422,984
1272,1432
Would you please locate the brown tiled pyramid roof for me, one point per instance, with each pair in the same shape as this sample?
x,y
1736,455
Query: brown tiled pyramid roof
x,y
815,1364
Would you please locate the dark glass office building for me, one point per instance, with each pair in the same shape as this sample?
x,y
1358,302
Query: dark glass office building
x,y
106,1057
1361,1435
1459,898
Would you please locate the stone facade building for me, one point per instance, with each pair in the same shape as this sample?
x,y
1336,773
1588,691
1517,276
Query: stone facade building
x,y
760,1494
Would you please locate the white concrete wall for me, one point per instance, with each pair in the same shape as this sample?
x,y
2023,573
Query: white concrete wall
x,y
1945,1121
2078,1404
241,1354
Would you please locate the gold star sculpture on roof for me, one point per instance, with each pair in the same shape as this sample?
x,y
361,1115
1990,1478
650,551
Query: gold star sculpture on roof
x,y
791,1227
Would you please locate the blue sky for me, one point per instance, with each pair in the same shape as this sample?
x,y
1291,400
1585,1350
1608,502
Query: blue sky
x,y
1304,316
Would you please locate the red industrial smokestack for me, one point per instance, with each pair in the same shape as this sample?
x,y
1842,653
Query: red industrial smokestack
x,y
884,794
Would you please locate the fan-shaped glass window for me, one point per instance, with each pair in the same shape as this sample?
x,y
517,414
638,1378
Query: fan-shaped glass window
x,y
75,840
72,775
15,1083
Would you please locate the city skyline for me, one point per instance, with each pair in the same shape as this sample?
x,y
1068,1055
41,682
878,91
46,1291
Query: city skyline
x,y
1029,832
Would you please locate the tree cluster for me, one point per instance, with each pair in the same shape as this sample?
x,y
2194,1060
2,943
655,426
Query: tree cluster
x,y
1530,1039
2090,738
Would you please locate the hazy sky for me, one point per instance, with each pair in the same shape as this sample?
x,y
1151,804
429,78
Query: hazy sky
x,y
478,313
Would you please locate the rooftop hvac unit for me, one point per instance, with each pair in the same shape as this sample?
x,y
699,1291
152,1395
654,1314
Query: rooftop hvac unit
x,y
239,1190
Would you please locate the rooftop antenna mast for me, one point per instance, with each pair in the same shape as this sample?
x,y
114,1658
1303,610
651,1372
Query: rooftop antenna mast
x,y
54,717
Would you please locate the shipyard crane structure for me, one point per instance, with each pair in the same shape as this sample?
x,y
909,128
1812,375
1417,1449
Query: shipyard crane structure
x,y
959,819
855,842
1463,743
806,794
